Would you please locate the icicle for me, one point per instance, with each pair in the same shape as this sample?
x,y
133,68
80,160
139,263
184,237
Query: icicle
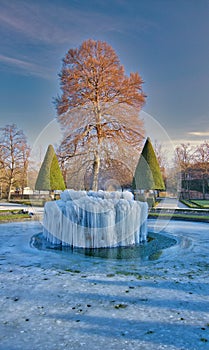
x,y
95,219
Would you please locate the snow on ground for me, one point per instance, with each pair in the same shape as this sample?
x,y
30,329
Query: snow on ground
x,y
54,300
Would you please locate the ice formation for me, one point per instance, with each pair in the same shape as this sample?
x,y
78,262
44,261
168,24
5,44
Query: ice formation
x,y
95,219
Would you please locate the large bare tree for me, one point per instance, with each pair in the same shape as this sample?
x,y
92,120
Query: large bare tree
x,y
99,104
14,152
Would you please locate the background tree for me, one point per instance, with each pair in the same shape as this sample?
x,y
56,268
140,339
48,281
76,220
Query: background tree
x,y
50,176
115,175
2,174
26,150
185,156
14,152
148,175
202,163
161,158
99,104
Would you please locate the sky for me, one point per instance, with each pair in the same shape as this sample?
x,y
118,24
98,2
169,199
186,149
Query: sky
x,y
165,41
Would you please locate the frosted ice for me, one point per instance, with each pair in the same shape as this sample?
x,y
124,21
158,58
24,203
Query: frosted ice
x,y
95,219
47,304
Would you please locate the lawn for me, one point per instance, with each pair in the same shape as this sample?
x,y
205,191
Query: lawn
x,y
31,202
202,203
13,215
179,216
189,203
196,203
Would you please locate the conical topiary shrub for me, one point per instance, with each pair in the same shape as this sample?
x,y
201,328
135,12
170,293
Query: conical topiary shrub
x,y
147,174
50,176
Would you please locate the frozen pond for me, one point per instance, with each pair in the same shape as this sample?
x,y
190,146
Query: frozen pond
x,y
152,249
56,300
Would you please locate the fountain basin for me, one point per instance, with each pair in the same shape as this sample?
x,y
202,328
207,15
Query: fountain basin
x,y
95,219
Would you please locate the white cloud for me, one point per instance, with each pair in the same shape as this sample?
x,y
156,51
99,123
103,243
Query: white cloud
x,y
55,24
27,67
199,133
17,62
189,141
51,23
43,31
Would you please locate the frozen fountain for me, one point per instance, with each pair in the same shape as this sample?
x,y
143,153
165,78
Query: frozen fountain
x,y
95,219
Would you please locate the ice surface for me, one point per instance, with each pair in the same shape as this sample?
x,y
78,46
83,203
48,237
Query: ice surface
x,y
50,300
95,219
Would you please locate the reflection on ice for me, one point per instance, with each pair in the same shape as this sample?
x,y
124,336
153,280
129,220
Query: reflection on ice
x,y
95,219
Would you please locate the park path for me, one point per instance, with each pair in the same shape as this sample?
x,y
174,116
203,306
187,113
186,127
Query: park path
x,y
170,203
12,206
16,206
166,203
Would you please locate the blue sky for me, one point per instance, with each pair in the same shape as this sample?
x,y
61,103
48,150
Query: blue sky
x,y
166,41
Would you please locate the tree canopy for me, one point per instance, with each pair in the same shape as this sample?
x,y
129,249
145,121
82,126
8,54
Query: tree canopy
x,y
147,174
50,176
99,105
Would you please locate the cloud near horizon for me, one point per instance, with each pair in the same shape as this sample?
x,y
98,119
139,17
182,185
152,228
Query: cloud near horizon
x,y
199,133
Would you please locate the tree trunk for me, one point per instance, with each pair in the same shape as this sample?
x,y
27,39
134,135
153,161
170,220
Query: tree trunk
x,y
22,191
9,192
97,158
203,187
96,167
188,185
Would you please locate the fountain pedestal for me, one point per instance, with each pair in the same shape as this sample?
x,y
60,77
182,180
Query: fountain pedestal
x,y
95,219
